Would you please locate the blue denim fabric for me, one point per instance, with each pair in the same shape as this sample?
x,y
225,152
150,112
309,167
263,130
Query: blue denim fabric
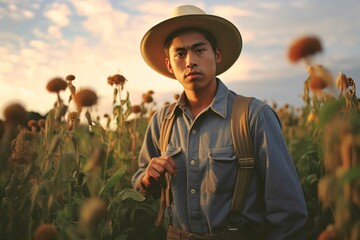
x,y
206,170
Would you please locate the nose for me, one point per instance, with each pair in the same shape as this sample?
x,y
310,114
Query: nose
x,y
190,59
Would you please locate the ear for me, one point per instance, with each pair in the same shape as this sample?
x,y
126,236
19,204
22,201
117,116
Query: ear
x,y
218,55
168,65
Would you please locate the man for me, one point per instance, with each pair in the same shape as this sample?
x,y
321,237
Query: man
x,y
194,47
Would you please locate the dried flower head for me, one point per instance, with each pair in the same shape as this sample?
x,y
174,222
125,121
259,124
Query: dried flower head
x,y
46,232
85,98
150,92
73,115
73,120
317,83
32,123
147,98
56,85
136,109
304,47
23,149
41,123
15,114
176,96
117,79
70,77
93,211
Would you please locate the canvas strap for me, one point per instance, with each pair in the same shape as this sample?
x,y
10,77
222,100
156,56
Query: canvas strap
x,y
243,144
165,132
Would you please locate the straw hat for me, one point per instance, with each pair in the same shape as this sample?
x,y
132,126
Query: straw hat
x,y
227,36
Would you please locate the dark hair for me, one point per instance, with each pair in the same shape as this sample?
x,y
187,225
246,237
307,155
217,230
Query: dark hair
x,y
178,32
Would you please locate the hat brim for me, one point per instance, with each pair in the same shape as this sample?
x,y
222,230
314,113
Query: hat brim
x,y
227,36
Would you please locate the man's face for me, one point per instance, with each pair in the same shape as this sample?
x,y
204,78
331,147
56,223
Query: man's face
x,y
193,61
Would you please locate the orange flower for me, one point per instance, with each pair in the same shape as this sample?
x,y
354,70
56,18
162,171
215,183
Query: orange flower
x,y
56,85
304,47
86,98
46,232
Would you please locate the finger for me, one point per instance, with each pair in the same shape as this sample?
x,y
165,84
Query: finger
x,y
168,164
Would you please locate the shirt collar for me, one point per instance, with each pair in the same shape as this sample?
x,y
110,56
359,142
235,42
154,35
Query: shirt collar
x,y
218,105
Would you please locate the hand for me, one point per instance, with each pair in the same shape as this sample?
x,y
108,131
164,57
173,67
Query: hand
x,y
157,168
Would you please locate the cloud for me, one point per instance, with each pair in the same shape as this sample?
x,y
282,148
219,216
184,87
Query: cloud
x,y
230,12
16,11
58,13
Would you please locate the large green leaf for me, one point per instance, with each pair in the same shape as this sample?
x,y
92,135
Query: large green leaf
x,y
130,193
113,181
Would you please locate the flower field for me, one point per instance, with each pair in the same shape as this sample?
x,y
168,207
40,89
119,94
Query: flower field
x,y
67,175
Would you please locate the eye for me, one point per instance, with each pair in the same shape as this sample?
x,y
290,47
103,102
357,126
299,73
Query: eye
x,y
179,54
200,51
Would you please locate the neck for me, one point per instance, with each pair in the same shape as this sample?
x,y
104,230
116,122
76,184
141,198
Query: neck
x,y
197,101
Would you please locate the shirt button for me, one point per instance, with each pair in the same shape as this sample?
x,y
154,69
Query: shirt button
x,y
192,162
193,131
193,191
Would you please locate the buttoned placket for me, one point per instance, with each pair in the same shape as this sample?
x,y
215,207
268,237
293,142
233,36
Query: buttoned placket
x,y
192,176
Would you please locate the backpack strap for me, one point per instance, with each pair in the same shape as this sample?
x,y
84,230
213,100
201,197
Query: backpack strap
x,y
165,132
240,131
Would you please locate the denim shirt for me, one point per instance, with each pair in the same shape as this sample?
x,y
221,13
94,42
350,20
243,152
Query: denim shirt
x,y
206,164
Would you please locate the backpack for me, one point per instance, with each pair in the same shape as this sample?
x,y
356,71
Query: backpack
x,y
240,130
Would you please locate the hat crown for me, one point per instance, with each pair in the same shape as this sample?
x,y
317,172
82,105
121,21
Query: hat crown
x,y
186,10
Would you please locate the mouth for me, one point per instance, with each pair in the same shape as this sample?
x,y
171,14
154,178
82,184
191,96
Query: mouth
x,y
193,73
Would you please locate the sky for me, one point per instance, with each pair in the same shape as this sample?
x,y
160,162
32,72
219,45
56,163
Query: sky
x,y
93,39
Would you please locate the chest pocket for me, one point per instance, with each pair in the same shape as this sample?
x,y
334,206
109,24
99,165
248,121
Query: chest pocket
x,y
176,154
222,170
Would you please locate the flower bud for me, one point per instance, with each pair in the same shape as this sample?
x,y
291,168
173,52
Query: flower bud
x,y
56,85
304,47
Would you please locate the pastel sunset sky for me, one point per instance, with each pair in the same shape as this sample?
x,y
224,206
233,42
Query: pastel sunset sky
x,y
93,39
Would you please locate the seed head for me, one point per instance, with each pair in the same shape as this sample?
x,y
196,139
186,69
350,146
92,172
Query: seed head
x,y
41,123
304,47
32,123
70,77
56,85
150,92
148,98
46,232
85,98
136,108
15,114
117,79
73,116
176,96
317,83
23,149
